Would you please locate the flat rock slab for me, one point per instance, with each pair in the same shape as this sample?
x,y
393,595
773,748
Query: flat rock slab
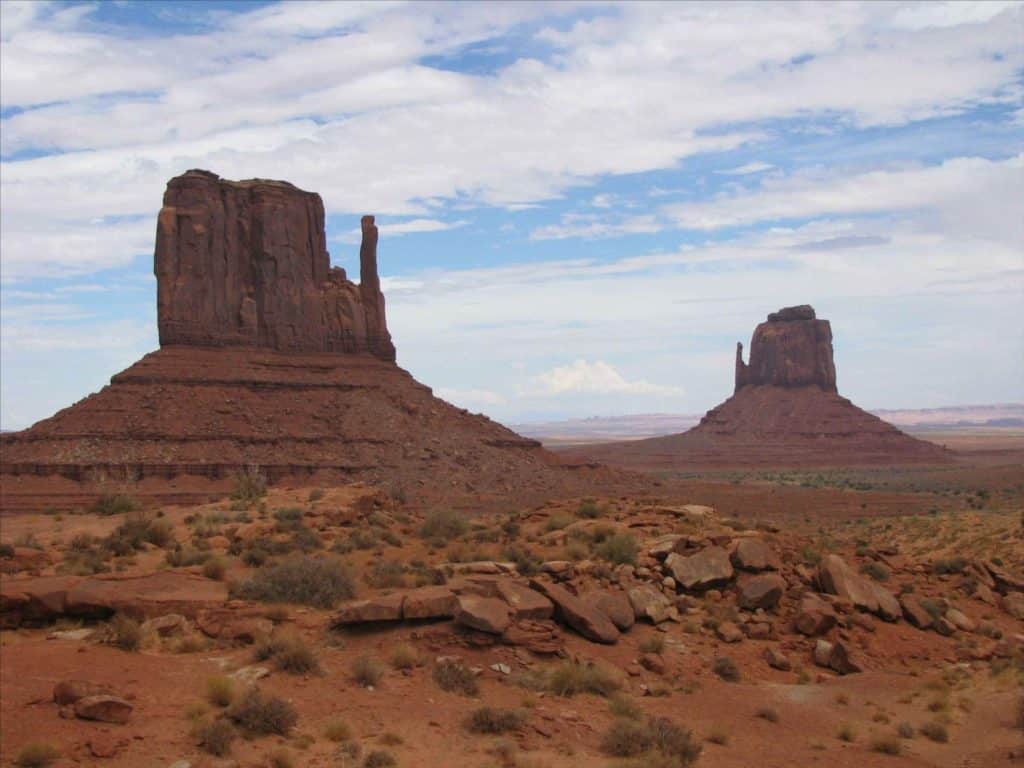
x,y
153,594
382,608
708,568
525,603
486,614
614,605
70,691
648,603
570,610
430,603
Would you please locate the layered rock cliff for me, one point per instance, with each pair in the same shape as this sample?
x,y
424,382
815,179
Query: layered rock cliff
x,y
792,348
245,263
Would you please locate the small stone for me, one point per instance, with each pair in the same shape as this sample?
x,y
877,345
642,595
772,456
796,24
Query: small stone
x,y
103,707
728,632
776,659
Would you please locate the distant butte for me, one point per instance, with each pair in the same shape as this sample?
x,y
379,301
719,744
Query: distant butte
x,y
786,411
269,358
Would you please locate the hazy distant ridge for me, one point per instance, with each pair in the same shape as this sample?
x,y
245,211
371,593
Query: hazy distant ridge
x,y
639,426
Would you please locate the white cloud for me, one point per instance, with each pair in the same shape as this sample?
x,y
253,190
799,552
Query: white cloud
x,y
592,378
413,226
957,183
748,168
592,226
639,87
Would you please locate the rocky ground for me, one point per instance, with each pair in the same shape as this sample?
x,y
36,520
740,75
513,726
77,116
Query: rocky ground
x,y
339,626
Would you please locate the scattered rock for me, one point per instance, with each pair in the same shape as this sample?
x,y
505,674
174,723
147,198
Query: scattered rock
x,y
570,610
728,632
708,568
70,691
250,675
649,603
541,637
525,603
836,578
914,612
104,708
762,591
168,625
615,605
814,617
753,554
777,659
959,620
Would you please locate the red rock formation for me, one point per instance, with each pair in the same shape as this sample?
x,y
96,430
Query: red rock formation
x,y
791,349
245,264
269,358
785,411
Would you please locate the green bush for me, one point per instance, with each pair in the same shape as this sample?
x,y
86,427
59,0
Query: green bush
x,y
455,677
320,582
570,678
263,715
215,737
380,759
126,633
289,653
250,486
726,669
367,671
36,755
492,720
220,690
660,740
113,504
443,525
619,548
215,568
935,731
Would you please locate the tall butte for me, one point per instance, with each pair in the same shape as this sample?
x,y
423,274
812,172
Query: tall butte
x,y
785,411
269,358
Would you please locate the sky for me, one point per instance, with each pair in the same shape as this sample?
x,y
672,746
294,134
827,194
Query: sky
x,y
582,206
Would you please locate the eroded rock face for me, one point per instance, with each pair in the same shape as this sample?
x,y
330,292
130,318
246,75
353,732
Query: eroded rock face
x,y
792,348
246,264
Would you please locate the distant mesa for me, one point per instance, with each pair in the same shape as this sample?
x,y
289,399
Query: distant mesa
x,y
269,358
785,411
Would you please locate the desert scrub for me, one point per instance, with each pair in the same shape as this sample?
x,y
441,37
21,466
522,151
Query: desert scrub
x,y
316,494
589,509
367,671
661,742
281,758
846,733
259,714
337,730
526,561
935,731
455,677
319,582
726,669
443,526
623,706
220,691
769,714
250,486
380,759
215,568
620,548
718,735
113,504
125,633
404,656
887,745
386,574
875,570
653,644
492,720
289,652
215,736
570,678
36,755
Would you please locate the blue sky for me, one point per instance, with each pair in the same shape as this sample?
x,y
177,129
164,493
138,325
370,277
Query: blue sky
x,y
582,206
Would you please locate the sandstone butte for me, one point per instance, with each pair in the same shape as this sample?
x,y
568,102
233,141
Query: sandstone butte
x,y
786,411
269,358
